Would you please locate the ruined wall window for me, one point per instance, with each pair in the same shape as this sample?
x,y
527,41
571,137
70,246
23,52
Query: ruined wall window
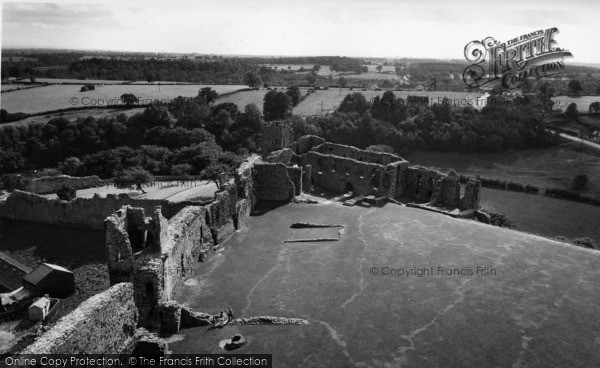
x,y
375,181
419,181
149,289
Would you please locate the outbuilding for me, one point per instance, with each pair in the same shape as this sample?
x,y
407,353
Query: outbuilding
x,y
39,309
56,281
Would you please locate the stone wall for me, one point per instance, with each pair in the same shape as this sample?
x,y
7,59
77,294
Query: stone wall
x,y
283,156
357,154
439,189
306,143
50,184
157,255
342,174
103,324
295,174
80,212
273,182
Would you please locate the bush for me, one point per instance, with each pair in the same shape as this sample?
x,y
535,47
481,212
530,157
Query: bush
x,y
181,169
11,182
585,243
500,220
515,187
66,193
580,182
532,189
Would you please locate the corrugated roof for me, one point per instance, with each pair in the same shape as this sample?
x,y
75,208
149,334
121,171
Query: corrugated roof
x,y
42,271
11,272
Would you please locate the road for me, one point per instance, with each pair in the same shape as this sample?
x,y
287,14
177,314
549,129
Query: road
x,y
579,140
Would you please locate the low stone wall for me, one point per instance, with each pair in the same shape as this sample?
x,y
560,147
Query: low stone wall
x,y
103,324
81,212
50,184
283,156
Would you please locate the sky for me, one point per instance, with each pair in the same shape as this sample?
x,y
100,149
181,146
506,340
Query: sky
x,y
368,28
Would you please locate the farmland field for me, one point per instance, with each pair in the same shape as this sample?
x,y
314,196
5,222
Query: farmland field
x,y
553,167
583,102
325,70
331,99
243,98
56,97
384,68
370,75
73,115
538,214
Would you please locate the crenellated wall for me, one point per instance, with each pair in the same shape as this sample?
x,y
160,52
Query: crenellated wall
x,y
103,324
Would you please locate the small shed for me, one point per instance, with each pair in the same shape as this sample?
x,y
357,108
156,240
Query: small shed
x,y
39,309
56,281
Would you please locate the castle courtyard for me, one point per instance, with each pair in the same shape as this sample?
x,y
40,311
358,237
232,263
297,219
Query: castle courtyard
x,y
401,287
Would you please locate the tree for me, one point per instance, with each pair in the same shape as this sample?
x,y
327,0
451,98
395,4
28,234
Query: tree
x,y
208,95
129,99
294,93
379,68
595,108
342,82
66,193
580,182
252,79
572,110
218,173
133,177
316,68
181,169
276,105
575,87
364,69
380,148
354,102
70,166
150,77
598,91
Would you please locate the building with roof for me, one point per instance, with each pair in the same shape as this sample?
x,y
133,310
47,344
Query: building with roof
x,y
11,273
39,309
56,281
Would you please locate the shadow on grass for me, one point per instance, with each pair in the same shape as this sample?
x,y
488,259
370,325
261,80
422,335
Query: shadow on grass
x,y
31,243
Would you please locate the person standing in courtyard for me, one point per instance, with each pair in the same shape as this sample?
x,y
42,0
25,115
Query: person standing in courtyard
x,y
230,314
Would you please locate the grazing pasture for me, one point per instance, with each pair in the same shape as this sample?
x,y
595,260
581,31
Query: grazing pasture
x,y
370,75
583,102
553,167
55,97
325,101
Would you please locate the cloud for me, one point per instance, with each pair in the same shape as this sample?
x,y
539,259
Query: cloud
x,y
56,14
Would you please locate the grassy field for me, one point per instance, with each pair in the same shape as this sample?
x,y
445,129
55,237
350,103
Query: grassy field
x,y
56,97
325,70
538,214
363,314
553,167
243,98
331,99
384,68
583,102
371,75
73,115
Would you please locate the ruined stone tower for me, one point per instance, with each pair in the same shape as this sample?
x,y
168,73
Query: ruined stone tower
x,y
276,135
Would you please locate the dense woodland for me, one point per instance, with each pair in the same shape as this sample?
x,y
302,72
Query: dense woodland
x,y
187,135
